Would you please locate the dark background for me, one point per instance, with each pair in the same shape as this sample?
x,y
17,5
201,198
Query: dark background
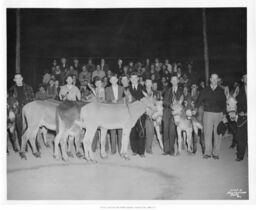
x,y
131,34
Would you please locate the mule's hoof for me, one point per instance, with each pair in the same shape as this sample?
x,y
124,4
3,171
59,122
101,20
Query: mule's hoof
x,y
105,156
178,153
16,150
65,159
56,157
94,161
23,156
37,154
48,145
70,154
79,155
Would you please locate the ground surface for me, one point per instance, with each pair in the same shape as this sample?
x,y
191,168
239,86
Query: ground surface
x,y
153,177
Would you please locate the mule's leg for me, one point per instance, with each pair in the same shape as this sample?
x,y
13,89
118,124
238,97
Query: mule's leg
x,y
44,134
125,142
63,145
33,139
87,142
179,132
189,140
56,144
78,144
24,141
70,143
158,135
103,137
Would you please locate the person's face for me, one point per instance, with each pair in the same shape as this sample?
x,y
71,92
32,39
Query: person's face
x,y
148,83
125,81
98,68
147,61
57,68
113,80
63,60
214,79
51,82
185,90
154,86
102,61
174,81
76,62
163,79
84,68
134,79
56,83
202,84
18,80
120,62
41,89
71,68
69,80
90,61
131,64
54,62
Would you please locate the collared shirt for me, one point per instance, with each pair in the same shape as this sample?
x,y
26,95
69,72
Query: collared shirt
x,y
115,91
135,86
71,93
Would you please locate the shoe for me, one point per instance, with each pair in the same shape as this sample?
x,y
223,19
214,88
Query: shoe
x,y
206,156
216,157
238,159
165,153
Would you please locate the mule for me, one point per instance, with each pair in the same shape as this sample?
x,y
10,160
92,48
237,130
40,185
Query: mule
x,y
112,116
37,115
185,123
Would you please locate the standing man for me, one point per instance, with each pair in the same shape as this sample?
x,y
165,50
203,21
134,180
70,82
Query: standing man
x,y
137,135
241,134
114,94
173,93
24,94
214,101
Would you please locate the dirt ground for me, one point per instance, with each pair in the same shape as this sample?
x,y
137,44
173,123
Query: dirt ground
x,y
159,177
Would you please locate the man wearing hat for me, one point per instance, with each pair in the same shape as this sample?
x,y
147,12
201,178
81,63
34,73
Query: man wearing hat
x,y
114,94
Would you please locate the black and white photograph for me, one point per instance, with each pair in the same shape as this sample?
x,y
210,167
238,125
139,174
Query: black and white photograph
x,y
127,103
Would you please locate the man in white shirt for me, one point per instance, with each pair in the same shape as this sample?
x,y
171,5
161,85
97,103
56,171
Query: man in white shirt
x,y
69,91
114,94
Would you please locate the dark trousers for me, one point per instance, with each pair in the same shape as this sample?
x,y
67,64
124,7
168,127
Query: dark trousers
x,y
115,139
241,137
138,136
169,134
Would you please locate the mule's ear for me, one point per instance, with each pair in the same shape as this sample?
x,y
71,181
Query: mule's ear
x,y
145,94
226,91
181,99
236,92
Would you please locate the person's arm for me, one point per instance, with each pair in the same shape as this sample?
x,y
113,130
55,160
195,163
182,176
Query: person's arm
x,y
200,99
78,95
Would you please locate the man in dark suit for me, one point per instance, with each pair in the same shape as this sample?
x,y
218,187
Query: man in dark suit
x,y
138,134
114,94
103,65
173,93
241,134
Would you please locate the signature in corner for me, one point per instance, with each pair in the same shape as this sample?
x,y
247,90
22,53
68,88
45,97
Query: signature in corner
x,y
236,193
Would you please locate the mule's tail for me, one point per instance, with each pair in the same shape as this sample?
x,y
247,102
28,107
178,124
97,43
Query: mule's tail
x,y
196,126
24,122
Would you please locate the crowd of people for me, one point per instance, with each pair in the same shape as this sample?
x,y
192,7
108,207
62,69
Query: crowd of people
x,y
164,80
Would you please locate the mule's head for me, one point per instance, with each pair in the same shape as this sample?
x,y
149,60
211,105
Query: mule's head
x,y
12,109
154,107
231,103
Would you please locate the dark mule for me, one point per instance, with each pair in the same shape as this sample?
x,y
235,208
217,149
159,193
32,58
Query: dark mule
x,y
12,111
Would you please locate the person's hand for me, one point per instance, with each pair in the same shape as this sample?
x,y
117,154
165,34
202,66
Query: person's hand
x,y
224,119
242,114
